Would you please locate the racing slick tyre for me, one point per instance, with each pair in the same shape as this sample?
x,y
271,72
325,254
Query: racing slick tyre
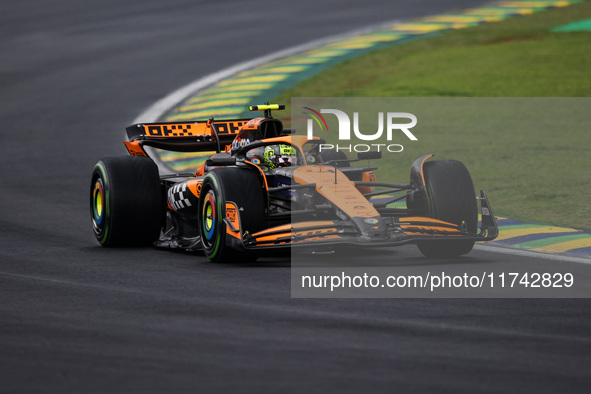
x,y
243,187
453,200
126,205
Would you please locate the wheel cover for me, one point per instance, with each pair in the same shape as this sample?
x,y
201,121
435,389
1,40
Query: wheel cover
x,y
208,216
97,195
99,206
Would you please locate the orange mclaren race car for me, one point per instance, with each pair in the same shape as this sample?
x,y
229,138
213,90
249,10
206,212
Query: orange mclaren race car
x,y
267,189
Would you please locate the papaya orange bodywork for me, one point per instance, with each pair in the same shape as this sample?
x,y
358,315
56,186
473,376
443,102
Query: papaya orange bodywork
x,y
134,148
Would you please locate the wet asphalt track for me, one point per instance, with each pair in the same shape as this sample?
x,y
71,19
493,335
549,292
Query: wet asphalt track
x,y
75,317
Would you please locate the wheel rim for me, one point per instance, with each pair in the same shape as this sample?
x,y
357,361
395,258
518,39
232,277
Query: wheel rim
x,y
99,205
208,216
97,196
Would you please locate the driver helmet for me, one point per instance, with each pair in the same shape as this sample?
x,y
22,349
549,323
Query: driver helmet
x,y
282,155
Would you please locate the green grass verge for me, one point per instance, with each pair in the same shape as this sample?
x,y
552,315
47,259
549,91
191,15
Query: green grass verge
x,y
531,175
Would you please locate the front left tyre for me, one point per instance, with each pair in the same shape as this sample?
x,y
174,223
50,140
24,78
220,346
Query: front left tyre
x,y
126,202
243,188
452,199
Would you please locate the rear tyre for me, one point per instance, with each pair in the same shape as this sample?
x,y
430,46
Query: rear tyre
x,y
453,200
243,187
126,205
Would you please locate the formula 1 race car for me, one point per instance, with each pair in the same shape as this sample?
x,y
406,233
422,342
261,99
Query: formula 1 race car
x,y
266,188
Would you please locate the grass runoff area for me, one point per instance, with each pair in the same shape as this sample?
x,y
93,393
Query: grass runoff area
x,y
539,176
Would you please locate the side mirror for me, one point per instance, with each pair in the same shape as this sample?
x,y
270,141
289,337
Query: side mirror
x,y
216,160
369,155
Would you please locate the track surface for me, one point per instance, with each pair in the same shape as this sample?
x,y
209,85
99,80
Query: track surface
x,y
76,317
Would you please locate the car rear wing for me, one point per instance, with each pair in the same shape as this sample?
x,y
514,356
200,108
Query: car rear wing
x,y
196,136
